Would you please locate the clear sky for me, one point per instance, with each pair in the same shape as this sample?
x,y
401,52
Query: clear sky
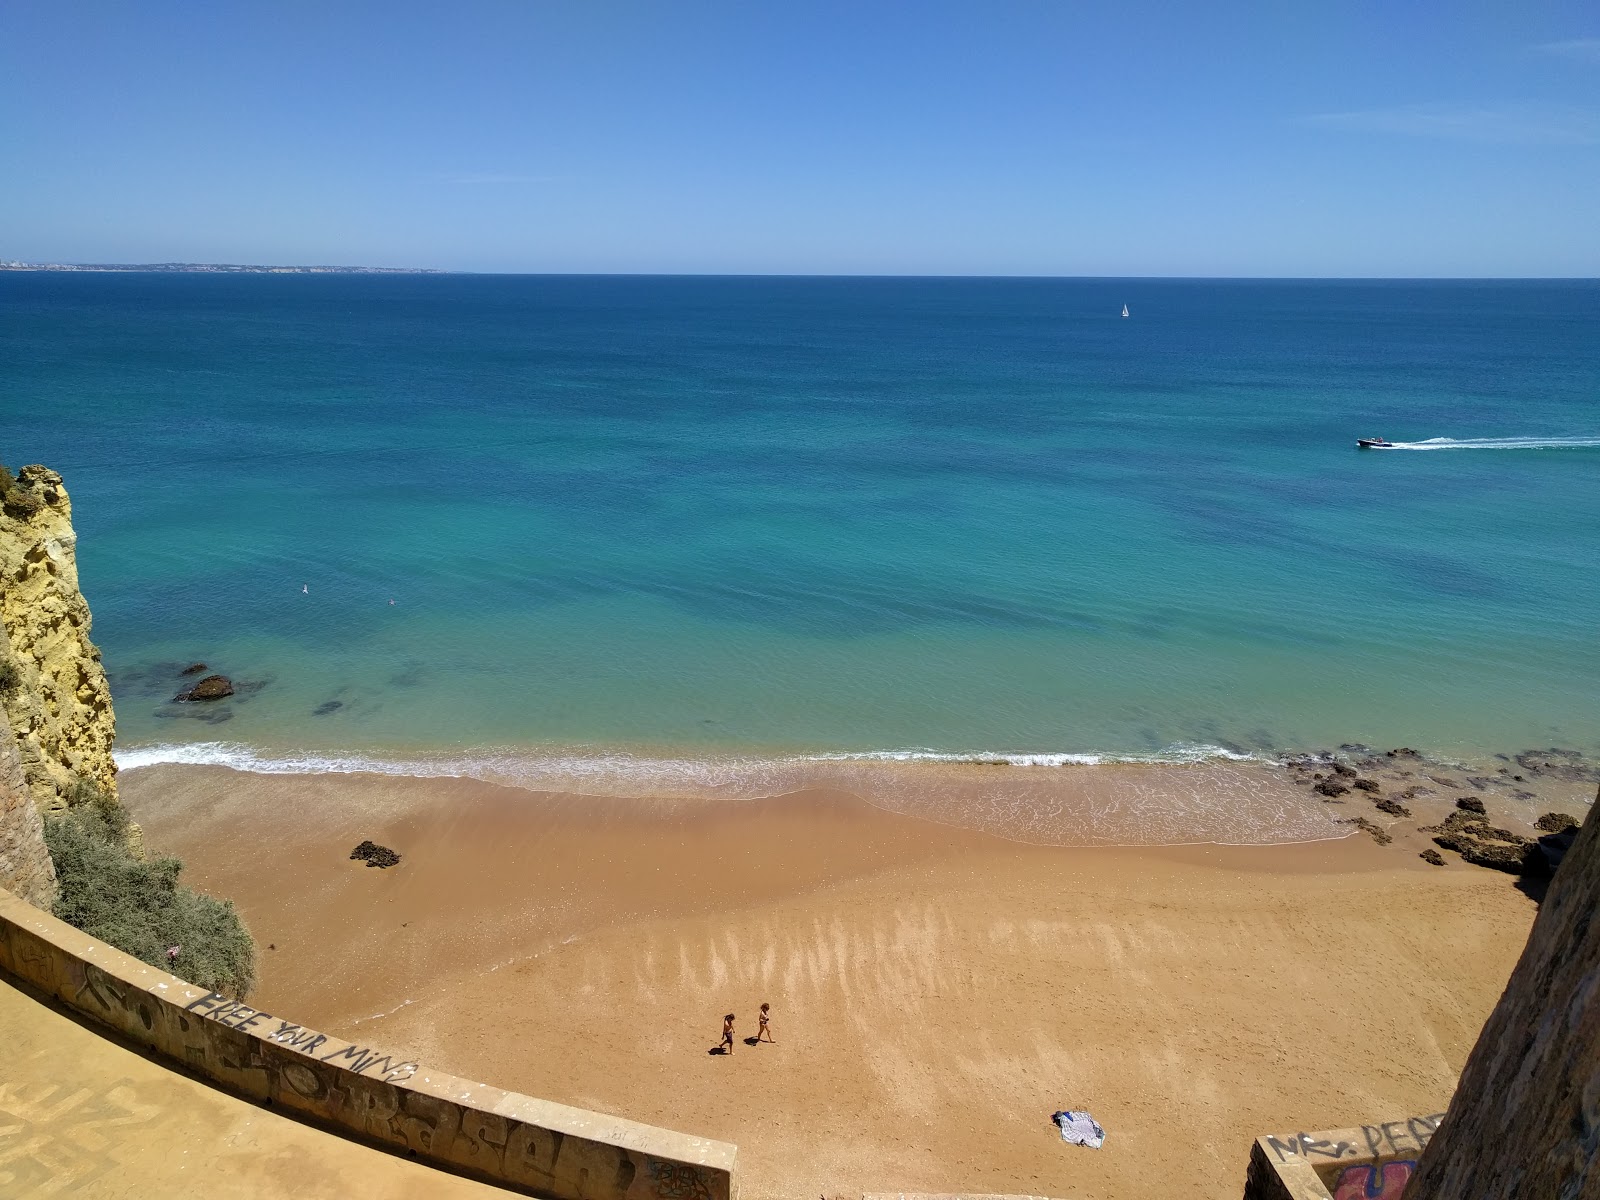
x,y
1052,137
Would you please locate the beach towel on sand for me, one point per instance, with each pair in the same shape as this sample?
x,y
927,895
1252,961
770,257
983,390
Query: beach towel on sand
x,y
1080,1128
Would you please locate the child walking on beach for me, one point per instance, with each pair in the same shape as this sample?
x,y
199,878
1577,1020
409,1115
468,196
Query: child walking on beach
x,y
765,1033
727,1034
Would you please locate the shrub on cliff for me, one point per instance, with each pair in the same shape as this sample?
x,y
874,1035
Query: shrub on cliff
x,y
15,501
140,907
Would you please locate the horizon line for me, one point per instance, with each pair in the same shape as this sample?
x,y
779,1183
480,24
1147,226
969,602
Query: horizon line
x,y
18,267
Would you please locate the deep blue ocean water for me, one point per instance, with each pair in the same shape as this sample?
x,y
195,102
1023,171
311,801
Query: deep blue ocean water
x,y
702,517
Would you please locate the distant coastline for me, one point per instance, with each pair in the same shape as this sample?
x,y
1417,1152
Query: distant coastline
x,y
217,269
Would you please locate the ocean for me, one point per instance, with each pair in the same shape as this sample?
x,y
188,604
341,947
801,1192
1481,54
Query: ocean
x,y
672,531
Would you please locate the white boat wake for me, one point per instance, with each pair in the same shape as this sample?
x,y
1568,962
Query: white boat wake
x,y
1512,443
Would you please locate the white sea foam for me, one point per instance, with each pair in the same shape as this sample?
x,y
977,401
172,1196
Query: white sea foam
x,y
1512,443
1205,794
525,765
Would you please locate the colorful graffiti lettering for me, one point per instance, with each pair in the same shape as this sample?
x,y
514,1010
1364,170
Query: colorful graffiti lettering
x,y
1386,1182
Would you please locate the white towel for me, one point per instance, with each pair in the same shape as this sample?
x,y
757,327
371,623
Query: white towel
x,y
1080,1128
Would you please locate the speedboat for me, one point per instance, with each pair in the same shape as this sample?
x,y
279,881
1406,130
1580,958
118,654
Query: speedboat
x,y
1373,444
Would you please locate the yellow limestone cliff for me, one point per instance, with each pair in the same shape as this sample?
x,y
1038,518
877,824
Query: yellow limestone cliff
x,y
58,702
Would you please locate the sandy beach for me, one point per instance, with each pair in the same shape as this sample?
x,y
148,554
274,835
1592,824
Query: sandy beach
x,y
937,992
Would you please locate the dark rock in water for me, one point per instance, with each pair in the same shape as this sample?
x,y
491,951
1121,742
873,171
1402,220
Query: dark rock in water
x,y
326,707
1443,781
1355,748
1404,752
193,669
1471,804
1554,822
1366,785
1341,769
375,855
1411,793
1521,795
1479,782
1558,764
1329,787
1393,807
1432,856
212,687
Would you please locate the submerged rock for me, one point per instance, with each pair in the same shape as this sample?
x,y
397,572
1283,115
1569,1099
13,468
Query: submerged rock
x,y
1471,804
193,669
375,855
212,687
1557,763
326,707
1393,807
1330,788
1365,785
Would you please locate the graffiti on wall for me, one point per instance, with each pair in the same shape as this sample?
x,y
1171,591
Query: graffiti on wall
x,y
678,1181
1376,1182
360,1059
1392,1139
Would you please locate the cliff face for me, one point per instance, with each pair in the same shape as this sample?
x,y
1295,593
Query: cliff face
x,y
58,702
25,866
1525,1121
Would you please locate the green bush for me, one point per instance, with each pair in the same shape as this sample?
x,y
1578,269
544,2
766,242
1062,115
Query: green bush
x,y
10,677
139,907
87,796
15,501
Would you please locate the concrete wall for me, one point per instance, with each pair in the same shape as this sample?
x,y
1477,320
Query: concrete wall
x,y
384,1099
1525,1121
1369,1162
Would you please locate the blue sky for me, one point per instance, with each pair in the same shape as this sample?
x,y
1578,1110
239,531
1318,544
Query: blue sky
x,y
1049,138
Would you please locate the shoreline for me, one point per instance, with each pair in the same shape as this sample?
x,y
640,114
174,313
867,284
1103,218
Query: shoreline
x,y
1198,795
937,991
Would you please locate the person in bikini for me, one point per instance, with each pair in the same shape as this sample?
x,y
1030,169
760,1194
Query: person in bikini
x,y
727,1034
765,1033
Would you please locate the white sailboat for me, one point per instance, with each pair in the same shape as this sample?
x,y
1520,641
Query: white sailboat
x,y
1124,310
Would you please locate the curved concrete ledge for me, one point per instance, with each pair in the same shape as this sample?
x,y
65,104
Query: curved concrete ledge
x,y
1371,1161
383,1099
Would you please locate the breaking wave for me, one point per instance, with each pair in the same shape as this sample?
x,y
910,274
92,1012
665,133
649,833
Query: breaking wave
x,y
1186,793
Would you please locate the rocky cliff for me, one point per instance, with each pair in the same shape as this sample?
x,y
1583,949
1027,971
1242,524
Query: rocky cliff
x,y
1525,1121
25,866
53,689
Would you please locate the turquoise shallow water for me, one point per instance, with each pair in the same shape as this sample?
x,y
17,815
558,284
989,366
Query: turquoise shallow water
x,y
702,517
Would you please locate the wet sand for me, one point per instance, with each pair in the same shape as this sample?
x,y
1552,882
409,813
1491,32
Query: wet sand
x,y
937,991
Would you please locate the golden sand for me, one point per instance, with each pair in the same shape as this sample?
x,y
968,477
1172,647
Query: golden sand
x,y
937,993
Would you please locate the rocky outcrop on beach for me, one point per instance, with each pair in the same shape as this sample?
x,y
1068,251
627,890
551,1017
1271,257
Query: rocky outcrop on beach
x,y
1493,827
59,703
374,855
